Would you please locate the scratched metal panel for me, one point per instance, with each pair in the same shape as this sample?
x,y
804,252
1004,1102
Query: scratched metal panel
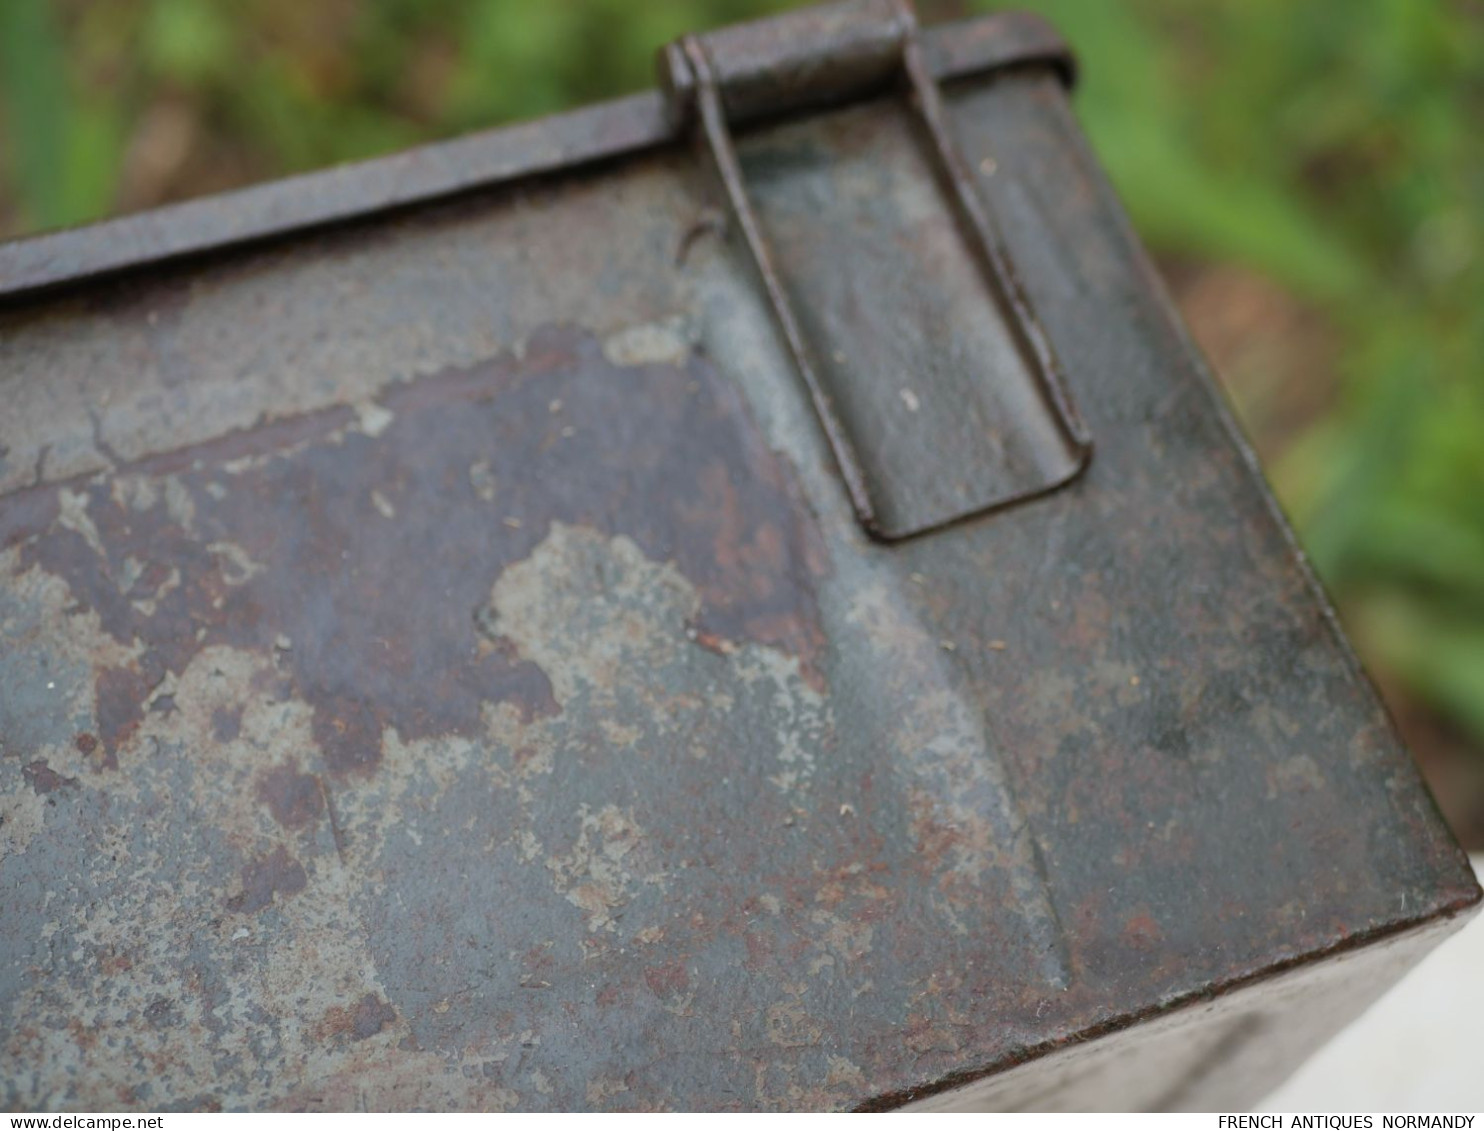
x,y
906,332
439,666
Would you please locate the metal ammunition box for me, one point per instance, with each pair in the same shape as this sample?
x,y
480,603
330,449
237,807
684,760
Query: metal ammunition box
x,y
742,596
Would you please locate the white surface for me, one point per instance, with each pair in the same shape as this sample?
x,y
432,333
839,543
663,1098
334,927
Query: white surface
x,y
1419,1049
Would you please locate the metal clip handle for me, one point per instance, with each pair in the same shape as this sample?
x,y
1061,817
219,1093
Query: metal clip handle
x,y
828,55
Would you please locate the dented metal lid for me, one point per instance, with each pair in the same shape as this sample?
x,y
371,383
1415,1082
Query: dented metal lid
x,y
532,622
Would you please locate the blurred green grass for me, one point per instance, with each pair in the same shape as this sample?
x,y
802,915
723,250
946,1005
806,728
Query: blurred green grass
x,y
1334,147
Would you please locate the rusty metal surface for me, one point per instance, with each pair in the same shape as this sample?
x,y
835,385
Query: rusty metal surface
x,y
798,60
440,666
431,172
993,406
1207,1056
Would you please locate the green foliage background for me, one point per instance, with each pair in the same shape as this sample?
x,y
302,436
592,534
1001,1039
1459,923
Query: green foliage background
x,y
1334,146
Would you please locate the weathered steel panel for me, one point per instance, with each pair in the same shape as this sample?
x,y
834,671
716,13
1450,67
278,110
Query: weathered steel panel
x,y
440,666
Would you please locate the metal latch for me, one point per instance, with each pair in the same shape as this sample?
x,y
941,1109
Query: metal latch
x,y
933,379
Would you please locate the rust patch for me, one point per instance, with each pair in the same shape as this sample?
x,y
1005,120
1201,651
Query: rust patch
x,y
365,1019
1142,932
43,779
277,874
120,697
759,951
668,980
294,798
711,642
27,514
359,556
226,724
348,730
113,963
